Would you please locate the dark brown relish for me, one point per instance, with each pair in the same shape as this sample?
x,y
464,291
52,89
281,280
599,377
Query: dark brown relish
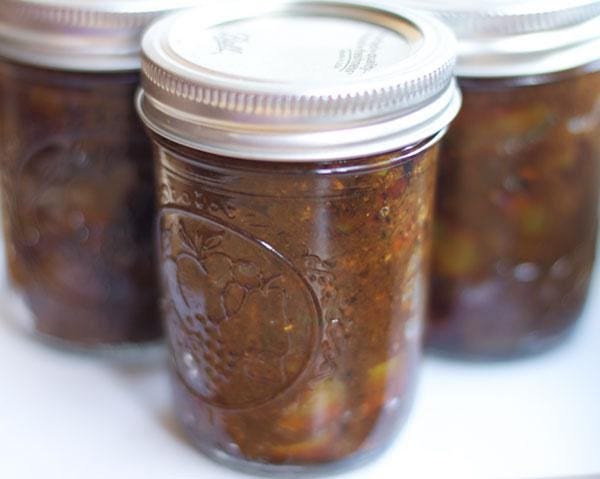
x,y
294,296
78,205
516,215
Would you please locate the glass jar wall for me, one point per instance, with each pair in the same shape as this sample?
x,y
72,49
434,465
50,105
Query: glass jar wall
x,y
296,179
78,203
517,205
517,214
295,298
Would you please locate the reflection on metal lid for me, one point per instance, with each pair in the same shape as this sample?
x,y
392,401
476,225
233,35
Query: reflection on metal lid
x,y
94,35
298,80
500,38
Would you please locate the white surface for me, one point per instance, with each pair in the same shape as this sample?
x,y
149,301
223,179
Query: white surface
x,y
64,416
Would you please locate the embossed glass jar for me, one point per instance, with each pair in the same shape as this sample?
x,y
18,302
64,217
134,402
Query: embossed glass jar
x,y
77,186
296,179
518,194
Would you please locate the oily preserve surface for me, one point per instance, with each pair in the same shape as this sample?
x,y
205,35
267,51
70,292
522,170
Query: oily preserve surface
x,y
78,205
517,215
294,297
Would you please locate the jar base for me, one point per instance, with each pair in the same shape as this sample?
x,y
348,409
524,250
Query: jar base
x,y
125,351
18,316
526,348
383,436
338,467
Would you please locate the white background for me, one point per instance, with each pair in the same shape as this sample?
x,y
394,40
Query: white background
x,y
67,416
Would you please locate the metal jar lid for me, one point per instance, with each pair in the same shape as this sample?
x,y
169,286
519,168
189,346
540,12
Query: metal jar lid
x,y
298,80
91,35
510,38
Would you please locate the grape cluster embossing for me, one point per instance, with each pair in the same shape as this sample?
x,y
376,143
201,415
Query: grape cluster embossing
x,y
70,234
337,322
244,324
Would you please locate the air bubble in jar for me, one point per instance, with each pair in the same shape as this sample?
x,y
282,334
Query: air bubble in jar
x,y
562,268
526,272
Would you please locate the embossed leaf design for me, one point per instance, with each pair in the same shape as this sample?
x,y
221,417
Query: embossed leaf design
x,y
212,242
200,290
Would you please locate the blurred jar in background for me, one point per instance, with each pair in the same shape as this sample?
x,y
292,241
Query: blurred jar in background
x,y
296,150
517,204
77,180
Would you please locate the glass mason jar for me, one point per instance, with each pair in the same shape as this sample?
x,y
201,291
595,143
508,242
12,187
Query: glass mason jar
x,y
295,208
77,187
517,205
